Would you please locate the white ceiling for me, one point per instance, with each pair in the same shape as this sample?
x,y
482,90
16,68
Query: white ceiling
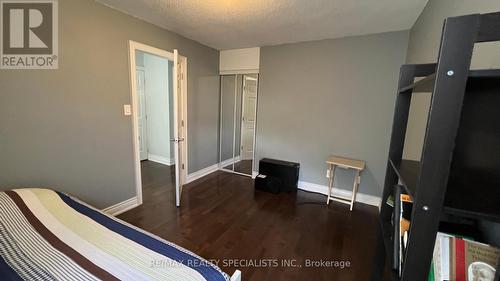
x,y
229,24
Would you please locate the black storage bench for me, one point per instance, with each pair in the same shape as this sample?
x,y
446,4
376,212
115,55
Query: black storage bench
x,y
277,176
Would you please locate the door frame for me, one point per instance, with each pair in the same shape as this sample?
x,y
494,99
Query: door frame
x,y
133,47
143,69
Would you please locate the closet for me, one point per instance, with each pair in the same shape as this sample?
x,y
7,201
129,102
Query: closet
x,y
238,116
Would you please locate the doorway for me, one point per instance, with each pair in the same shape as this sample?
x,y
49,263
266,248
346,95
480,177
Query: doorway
x,y
159,110
154,76
238,115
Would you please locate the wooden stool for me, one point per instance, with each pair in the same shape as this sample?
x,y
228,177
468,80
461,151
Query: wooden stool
x,y
345,163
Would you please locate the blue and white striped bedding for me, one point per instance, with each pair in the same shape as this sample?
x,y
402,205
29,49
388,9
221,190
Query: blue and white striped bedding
x,y
47,235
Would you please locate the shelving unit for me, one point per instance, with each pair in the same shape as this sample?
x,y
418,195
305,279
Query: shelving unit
x,y
440,185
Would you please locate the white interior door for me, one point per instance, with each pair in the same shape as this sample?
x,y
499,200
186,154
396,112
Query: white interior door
x,y
248,115
142,118
180,80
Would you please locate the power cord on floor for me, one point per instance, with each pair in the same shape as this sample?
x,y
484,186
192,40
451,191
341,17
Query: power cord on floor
x,y
311,202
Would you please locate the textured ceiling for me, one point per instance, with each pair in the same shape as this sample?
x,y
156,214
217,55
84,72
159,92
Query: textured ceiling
x,y
228,24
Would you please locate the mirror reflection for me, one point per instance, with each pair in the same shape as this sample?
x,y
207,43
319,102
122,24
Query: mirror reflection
x,y
237,122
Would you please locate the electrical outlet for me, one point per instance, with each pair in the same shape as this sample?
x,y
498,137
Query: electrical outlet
x,y
328,173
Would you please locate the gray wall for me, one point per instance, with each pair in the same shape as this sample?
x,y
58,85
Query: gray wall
x,y
423,47
330,97
65,128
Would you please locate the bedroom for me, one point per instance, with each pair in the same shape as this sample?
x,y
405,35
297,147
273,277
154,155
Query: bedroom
x,y
327,80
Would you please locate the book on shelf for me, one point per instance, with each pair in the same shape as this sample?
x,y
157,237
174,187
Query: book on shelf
x,y
460,259
396,261
401,223
390,200
406,205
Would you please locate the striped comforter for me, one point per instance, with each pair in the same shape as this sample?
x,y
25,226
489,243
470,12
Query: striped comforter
x,y
47,235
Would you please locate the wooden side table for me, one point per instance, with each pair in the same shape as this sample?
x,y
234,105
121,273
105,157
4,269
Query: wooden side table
x,y
345,163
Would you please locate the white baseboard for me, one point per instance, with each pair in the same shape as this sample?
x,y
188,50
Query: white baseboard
x,y
201,173
122,207
210,169
323,189
230,161
254,174
161,159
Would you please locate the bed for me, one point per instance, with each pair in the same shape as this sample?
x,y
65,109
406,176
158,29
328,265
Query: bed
x,y
48,235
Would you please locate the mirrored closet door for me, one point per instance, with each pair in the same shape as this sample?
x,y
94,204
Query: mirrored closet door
x,y
238,114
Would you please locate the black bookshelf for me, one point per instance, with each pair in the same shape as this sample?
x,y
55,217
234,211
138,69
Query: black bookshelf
x,y
456,184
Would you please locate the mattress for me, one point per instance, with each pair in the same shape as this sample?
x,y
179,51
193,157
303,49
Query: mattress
x,y
48,235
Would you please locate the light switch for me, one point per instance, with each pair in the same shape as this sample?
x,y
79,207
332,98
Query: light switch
x,y
127,110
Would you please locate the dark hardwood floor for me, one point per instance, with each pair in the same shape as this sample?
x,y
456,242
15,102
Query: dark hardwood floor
x,y
242,166
223,218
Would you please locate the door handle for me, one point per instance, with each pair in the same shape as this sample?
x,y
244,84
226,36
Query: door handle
x,y
177,140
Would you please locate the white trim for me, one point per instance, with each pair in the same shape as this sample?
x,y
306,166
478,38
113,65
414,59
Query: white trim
x,y
151,50
254,174
121,207
135,121
229,161
133,47
161,159
220,120
201,173
235,172
234,121
177,135
323,189
210,169
185,158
